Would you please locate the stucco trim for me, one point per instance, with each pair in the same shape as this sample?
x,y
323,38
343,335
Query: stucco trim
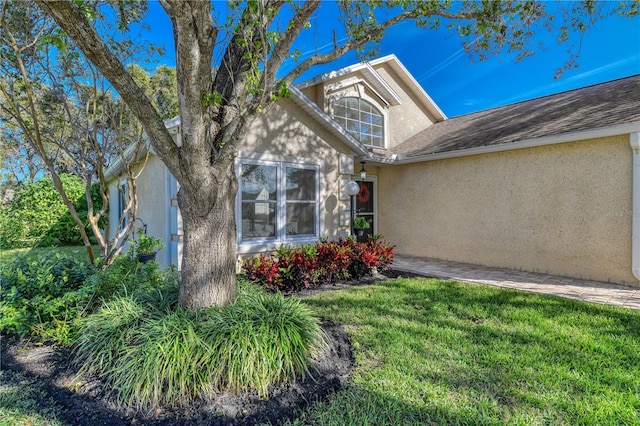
x,y
341,88
410,81
626,128
634,139
399,69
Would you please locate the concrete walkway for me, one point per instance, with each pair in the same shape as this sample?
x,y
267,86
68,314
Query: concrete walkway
x,y
572,288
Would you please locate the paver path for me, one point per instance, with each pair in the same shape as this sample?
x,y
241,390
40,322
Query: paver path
x,y
572,288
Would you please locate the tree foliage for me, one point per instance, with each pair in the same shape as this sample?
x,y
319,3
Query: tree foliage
x,y
60,115
229,71
37,216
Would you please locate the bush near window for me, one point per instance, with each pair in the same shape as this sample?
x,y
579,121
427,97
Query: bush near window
x,y
290,269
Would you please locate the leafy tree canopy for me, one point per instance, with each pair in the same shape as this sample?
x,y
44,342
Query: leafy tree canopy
x,y
228,72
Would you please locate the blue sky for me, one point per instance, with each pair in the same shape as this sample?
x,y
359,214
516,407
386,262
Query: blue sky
x,y
435,58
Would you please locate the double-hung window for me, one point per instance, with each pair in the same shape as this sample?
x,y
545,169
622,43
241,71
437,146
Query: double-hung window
x,y
277,202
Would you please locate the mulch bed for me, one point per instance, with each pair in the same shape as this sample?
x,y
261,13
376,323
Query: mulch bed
x,y
84,401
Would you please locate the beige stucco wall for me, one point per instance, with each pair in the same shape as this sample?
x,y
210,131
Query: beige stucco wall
x,y
151,202
152,199
562,209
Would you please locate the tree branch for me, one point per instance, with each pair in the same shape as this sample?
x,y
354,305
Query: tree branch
x,y
280,51
323,58
76,25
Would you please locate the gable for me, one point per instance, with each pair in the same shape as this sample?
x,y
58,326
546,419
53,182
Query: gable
x,y
286,129
388,87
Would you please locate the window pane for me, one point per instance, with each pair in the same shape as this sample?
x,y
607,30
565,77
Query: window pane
x,y
258,220
360,118
301,184
353,127
301,219
353,114
258,182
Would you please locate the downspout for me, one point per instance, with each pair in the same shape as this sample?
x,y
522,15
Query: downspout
x,y
167,217
635,211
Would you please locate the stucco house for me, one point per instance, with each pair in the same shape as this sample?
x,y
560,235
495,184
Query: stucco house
x,y
547,185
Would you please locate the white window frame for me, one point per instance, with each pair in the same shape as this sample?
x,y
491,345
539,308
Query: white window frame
x,y
257,244
375,106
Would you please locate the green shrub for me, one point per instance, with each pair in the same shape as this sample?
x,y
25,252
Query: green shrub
x,y
43,295
47,296
293,268
126,275
38,216
153,352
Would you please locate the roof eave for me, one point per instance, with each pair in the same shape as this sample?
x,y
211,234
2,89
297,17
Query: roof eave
x,y
113,171
410,81
626,128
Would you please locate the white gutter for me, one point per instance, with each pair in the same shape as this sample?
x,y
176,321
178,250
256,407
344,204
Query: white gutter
x,y
621,129
635,209
113,171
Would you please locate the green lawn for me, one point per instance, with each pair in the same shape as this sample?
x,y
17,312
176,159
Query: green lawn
x,y
22,402
451,353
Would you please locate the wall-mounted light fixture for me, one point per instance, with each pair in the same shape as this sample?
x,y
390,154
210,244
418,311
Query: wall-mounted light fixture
x,y
363,172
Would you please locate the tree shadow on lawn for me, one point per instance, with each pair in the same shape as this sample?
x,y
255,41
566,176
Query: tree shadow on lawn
x,y
82,401
507,348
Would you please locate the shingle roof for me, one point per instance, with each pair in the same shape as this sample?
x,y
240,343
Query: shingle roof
x,y
602,105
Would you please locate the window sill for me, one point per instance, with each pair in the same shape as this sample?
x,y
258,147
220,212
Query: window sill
x,y
268,245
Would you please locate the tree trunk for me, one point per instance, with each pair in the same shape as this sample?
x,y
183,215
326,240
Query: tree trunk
x,y
209,256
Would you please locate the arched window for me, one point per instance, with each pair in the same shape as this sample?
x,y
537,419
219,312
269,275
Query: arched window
x,y
361,119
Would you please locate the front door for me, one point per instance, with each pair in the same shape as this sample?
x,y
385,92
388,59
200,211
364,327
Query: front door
x,y
366,203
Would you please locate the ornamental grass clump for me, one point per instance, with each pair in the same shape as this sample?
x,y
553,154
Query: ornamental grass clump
x,y
154,353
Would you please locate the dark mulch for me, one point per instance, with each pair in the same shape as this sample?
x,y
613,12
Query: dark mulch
x,y
84,400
